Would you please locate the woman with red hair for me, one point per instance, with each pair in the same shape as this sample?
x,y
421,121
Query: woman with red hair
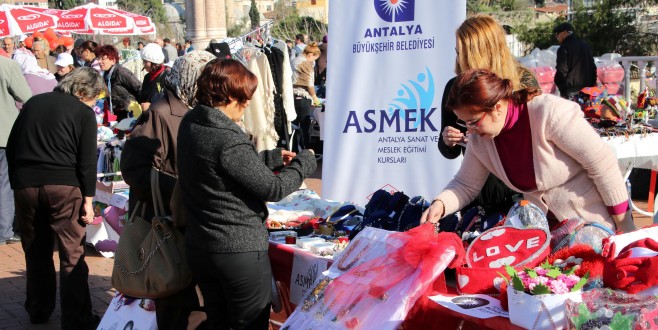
x,y
225,184
538,145
122,85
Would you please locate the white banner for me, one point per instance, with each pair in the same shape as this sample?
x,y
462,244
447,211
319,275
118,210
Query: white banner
x,y
389,62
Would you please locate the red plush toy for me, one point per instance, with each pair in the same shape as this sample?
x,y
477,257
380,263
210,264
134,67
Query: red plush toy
x,y
580,255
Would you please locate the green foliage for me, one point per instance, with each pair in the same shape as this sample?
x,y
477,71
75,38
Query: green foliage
x,y
554,273
287,28
611,27
540,289
540,3
581,283
608,26
531,273
620,321
583,316
236,30
254,15
151,8
540,36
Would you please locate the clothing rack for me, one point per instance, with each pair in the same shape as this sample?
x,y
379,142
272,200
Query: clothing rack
x,y
264,29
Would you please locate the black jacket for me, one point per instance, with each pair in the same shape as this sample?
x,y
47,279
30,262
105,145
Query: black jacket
x,y
53,142
225,182
575,66
123,87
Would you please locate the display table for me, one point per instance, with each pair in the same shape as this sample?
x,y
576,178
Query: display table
x,y
425,314
636,151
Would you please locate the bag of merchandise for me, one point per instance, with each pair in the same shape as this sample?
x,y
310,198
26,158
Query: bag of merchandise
x,y
609,72
612,309
377,279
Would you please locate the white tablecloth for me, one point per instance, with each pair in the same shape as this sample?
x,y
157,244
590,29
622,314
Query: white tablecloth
x,y
636,151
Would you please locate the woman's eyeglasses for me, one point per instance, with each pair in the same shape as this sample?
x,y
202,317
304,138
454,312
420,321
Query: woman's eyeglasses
x,y
471,124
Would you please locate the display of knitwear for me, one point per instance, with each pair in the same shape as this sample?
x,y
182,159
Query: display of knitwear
x,y
634,269
377,279
301,206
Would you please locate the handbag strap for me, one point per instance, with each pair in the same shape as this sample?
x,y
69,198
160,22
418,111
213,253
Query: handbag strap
x,y
158,205
134,212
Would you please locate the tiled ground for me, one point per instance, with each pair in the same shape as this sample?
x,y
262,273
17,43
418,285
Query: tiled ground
x,y
12,279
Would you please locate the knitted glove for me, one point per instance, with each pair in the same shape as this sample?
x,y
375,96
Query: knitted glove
x,y
635,268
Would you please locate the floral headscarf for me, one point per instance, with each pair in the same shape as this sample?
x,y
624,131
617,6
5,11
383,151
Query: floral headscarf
x,y
184,74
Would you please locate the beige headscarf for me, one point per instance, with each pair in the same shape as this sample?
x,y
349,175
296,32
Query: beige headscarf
x,y
184,74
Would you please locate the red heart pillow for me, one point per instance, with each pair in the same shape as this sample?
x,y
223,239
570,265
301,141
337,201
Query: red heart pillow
x,y
507,245
495,248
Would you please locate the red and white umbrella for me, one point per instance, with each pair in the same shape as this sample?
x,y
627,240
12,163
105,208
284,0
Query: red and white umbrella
x,y
17,20
94,19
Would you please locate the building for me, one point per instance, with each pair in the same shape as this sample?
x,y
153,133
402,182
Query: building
x,y
237,11
318,9
34,3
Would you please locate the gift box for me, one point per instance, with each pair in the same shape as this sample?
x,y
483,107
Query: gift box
x,y
545,311
306,242
323,249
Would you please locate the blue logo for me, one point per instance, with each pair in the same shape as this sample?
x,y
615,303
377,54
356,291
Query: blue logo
x,y
395,10
417,94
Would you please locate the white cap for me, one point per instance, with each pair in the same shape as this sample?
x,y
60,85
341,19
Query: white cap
x,y
64,59
152,52
22,37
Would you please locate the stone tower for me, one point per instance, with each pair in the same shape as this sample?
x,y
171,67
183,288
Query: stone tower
x,y
205,19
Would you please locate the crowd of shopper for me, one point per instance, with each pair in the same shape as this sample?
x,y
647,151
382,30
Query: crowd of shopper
x,y
196,99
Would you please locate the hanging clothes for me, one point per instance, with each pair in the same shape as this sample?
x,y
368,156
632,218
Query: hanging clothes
x,y
286,83
259,116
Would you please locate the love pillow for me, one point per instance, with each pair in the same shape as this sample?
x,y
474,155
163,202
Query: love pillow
x,y
507,245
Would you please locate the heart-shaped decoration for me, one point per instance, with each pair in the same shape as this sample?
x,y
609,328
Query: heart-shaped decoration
x,y
507,245
497,282
462,280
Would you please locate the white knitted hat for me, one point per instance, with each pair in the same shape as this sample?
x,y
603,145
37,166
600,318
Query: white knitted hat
x,y
152,52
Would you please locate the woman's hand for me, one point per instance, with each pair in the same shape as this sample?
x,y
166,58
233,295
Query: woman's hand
x,y
87,215
287,156
625,222
434,213
452,136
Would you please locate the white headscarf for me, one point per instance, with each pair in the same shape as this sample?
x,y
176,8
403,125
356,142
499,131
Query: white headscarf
x,y
29,65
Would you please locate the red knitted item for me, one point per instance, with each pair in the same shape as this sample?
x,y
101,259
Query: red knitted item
x,y
635,269
591,261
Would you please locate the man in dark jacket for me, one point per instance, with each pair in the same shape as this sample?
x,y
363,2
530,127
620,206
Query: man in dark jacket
x,y
575,64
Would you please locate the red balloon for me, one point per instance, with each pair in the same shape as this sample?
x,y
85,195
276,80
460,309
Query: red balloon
x,y
50,34
28,42
66,41
54,44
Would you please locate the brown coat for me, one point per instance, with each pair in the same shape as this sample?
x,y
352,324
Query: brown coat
x,y
322,60
153,144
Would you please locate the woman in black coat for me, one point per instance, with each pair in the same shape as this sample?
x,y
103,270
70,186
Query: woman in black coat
x,y
225,184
